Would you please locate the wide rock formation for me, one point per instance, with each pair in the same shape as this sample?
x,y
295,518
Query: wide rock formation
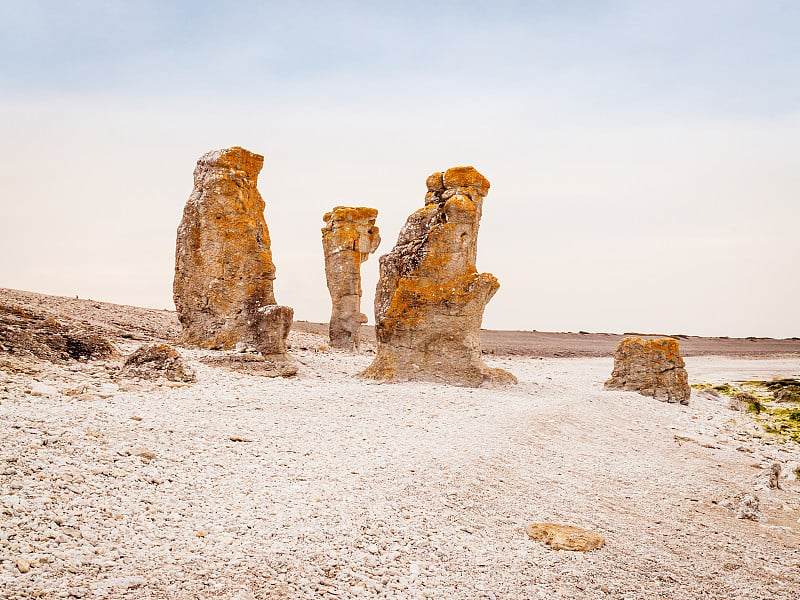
x,y
430,298
652,368
348,238
26,333
223,263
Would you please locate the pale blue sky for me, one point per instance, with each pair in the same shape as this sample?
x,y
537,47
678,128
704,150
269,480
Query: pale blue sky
x,y
644,156
737,57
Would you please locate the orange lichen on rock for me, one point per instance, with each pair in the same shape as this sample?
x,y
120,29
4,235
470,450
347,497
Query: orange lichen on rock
x,y
466,177
223,262
565,537
348,238
430,298
651,367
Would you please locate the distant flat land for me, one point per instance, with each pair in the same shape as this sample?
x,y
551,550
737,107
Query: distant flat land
x,y
145,323
559,344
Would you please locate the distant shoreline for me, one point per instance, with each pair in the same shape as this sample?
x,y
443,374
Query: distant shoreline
x,y
163,324
568,344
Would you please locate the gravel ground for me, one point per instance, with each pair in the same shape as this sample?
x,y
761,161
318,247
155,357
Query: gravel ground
x,y
239,487
323,485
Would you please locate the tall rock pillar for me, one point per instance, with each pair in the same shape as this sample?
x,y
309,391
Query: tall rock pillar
x,y
223,263
348,238
430,298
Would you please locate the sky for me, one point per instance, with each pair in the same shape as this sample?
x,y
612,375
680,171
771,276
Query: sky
x,y
644,155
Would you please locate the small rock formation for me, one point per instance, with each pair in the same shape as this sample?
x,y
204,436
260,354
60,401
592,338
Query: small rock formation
x,y
743,401
348,238
652,368
157,361
746,506
268,327
223,263
785,390
430,298
774,478
26,334
565,537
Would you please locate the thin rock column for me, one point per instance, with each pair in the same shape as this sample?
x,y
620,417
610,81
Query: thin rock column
x,y
348,238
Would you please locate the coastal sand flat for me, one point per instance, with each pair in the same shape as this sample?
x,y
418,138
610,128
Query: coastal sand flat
x,y
566,345
324,485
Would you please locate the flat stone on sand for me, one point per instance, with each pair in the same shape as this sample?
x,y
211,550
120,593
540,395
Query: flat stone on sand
x,y
565,537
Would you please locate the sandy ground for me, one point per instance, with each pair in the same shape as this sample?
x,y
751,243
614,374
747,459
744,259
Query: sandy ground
x,y
324,485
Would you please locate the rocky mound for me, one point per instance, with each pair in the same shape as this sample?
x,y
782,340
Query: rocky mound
x,y
31,334
157,361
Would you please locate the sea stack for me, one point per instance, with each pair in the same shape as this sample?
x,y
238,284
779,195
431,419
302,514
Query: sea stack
x,y
430,298
348,238
223,264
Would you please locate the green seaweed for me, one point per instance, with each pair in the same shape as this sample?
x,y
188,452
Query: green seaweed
x,y
781,419
725,388
754,406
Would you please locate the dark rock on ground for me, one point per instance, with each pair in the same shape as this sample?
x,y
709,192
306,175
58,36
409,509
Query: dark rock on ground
x,y
157,361
27,333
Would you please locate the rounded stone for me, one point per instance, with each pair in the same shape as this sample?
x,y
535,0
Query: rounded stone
x,y
466,177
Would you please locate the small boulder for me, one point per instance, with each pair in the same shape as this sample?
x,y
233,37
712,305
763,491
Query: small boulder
x,y
157,361
743,401
774,481
652,368
787,394
268,327
746,506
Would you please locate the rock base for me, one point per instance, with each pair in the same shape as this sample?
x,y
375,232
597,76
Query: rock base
x,y
276,365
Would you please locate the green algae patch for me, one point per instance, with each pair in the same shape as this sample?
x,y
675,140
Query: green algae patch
x,y
726,389
774,404
784,423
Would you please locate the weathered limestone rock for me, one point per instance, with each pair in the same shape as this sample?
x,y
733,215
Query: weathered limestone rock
x,y
348,238
25,334
785,390
223,262
652,368
157,361
430,298
565,537
268,327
